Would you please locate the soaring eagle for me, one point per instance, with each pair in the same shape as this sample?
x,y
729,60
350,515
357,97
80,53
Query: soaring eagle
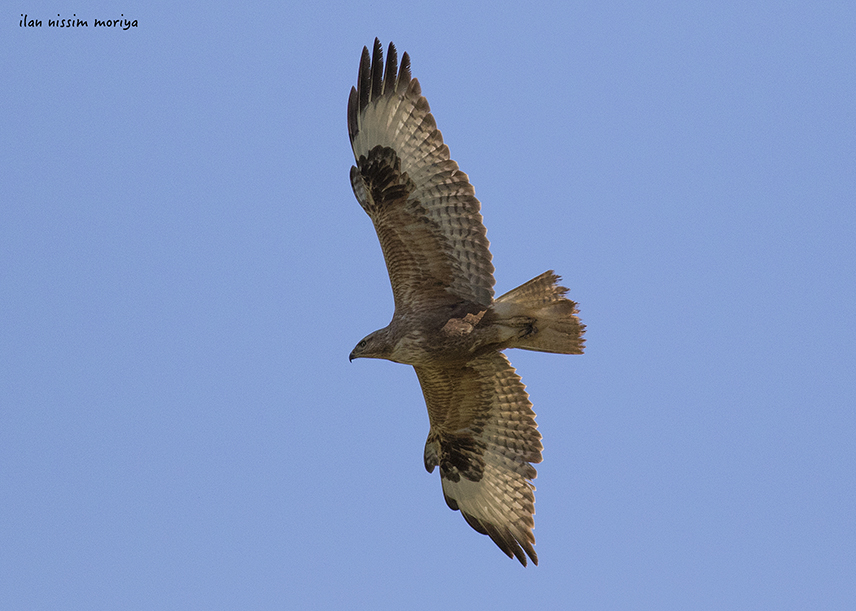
x,y
447,323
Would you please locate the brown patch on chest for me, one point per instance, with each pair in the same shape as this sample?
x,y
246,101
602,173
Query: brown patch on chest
x,y
457,327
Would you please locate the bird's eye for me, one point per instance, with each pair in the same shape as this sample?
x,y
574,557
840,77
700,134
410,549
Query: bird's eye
x,y
362,343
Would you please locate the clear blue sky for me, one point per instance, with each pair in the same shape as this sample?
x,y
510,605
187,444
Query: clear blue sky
x,y
184,270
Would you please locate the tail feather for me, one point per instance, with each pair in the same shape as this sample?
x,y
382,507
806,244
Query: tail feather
x,y
544,319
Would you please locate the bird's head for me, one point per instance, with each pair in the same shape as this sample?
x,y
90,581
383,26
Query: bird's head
x,y
372,346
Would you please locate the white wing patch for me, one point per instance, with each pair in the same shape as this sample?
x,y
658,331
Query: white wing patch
x,y
487,505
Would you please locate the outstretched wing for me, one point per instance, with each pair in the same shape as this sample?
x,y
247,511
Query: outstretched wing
x,y
484,437
423,207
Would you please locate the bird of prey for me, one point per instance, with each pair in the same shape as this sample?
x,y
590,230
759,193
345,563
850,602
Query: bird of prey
x,y
447,324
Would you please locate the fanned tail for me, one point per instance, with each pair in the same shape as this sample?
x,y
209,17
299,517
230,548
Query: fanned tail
x,y
544,319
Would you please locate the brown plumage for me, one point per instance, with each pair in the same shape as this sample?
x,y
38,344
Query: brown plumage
x,y
446,323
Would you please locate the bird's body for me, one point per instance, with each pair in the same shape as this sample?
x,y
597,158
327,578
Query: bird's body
x,y
447,324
